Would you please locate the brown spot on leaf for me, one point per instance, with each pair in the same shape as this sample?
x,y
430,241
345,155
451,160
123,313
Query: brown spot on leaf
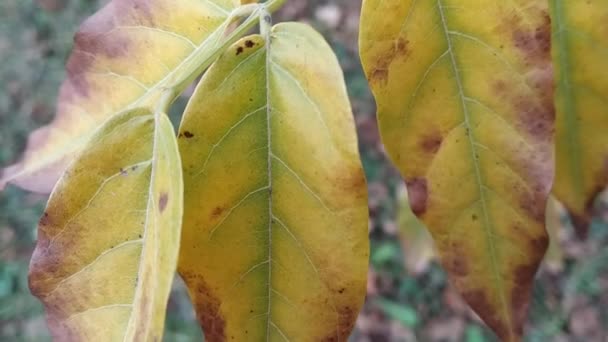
x,y
162,201
534,205
499,86
480,303
346,322
379,75
525,273
536,44
249,43
418,195
458,265
536,118
187,134
45,220
521,291
98,37
349,180
539,244
239,50
207,307
431,143
347,319
535,111
217,212
380,71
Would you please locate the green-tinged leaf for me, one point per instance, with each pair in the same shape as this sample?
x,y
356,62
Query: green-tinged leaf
x,y
580,56
124,57
108,241
464,95
415,238
275,242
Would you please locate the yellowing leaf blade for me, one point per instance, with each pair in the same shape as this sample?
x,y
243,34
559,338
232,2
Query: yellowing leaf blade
x,y
580,55
464,95
275,190
124,56
108,241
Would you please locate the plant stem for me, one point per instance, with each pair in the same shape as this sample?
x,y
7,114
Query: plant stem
x,y
166,99
273,5
203,58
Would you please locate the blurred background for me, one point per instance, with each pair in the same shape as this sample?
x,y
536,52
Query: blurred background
x,y
408,298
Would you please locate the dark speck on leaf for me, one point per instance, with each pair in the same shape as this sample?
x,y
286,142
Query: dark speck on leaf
x,y
249,43
162,202
188,134
239,50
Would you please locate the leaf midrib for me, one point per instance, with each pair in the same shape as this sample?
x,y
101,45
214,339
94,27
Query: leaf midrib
x,y
269,165
488,227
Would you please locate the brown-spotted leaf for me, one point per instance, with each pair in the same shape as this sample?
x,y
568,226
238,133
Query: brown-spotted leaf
x,y
124,57
275,244
465,104
108,241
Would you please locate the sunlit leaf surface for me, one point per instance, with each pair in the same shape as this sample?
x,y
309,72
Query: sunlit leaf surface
x,y
108,241
124,56
275,244
465,105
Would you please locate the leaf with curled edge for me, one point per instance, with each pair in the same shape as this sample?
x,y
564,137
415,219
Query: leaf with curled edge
x,y
580,55
465,104
124,57
275,243
108,241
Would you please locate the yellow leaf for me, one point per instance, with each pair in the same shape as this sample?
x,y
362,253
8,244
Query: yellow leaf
x,y
275,242
580,57
108,241
124,57
464,95
416,241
